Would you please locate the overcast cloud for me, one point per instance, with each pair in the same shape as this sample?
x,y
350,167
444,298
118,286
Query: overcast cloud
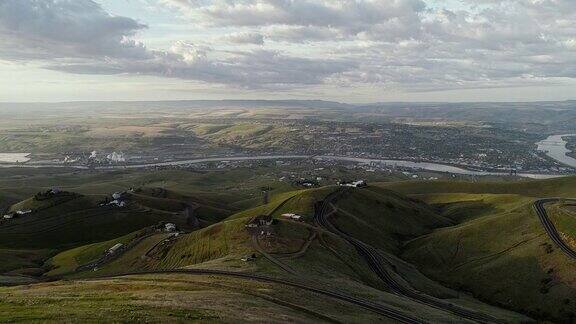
x,y
274,45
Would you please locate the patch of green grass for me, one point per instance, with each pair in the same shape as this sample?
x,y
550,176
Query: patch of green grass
x,y
12,259
68,261
383,218
226,239
92,303
564,218
182,298
500,253
57,204
558,187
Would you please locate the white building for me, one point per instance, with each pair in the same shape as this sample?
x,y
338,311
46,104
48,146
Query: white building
x,y
118,203
292,216
170,227
354,184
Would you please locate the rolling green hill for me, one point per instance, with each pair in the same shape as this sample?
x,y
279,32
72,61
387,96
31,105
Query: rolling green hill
x,y
498,249
558,187
297,250
476,246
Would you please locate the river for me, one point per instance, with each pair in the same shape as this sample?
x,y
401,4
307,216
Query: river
x,y
555,147
437,167
393,163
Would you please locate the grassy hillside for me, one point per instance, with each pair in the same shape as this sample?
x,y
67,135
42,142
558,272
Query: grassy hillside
x,y
498,249
184,298
82,226
385,219
28,241
222,245
296,250
67,261
248,135
559,187
443,239
65,203
61,223
563,215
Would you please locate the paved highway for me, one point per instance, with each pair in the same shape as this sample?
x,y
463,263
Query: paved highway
x,y
539,207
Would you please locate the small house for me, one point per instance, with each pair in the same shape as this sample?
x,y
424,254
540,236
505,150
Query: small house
x,y
8,216
170,227
292,216
118,203
23,212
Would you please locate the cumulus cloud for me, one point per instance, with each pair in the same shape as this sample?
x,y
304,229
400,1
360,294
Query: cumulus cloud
x,y
259,69
351,17
245,38
394,43
78,36
64,29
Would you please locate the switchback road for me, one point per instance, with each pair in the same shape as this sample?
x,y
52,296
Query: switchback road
x,y
375,260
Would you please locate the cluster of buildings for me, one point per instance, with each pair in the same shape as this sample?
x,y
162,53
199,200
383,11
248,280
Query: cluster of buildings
x,y
17,213
118,200
353,184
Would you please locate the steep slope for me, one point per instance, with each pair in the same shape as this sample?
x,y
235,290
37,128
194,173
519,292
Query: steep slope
x,y
498,250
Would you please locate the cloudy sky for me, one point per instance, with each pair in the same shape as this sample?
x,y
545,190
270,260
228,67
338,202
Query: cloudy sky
x,y
345,50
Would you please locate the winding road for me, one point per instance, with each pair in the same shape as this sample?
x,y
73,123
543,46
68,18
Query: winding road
x,y
539,207
374,259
